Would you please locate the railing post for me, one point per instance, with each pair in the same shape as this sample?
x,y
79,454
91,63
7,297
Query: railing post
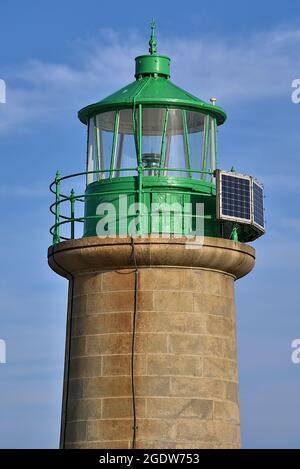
x,y
72,203
56,237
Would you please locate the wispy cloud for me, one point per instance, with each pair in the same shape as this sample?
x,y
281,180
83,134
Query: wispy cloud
x,y
260,66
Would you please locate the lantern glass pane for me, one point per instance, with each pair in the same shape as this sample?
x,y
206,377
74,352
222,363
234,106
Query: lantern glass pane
x,y
195,127
152,131
90,164
125,157
175,151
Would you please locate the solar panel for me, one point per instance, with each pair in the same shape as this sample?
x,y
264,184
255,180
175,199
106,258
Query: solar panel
x,y
240,199
258,205
234,197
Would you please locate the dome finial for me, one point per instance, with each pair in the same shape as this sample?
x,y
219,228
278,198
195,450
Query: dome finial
x,y
152,42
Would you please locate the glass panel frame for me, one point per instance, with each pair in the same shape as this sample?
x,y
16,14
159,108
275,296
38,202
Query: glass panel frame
x,y
126,154
176,138
153,120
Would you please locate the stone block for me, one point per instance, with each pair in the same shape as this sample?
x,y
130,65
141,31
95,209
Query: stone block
x,y
87,283
102,324
171,322
152,386
197,387
122,408
171,364
173,301
84,409
110,344
156,429
85,367
219,326
107,386
179,407
121,364
118,280
213,304
75,431
106,302
225,410
78,347
75,388
195,344
232,392
209,432
103,430
219,368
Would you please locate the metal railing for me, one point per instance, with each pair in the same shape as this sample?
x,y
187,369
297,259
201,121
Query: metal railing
x,y
69,218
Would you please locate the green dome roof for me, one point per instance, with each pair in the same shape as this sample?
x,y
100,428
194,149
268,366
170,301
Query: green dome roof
x,y
153,88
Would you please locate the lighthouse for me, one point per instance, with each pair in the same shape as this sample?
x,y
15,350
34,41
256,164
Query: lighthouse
x,y
151,241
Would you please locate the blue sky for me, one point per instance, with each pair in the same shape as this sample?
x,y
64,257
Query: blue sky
x,y
59,56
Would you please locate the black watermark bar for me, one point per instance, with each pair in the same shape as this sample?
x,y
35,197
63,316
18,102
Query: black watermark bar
x,y
143,458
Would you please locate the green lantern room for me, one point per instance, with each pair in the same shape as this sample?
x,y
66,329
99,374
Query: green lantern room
x,y
154,143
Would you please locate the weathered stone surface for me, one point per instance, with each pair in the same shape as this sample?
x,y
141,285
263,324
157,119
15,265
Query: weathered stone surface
x,y
151,343
232,392
210,432
118,280
87,283
75,431
85,367
198,387
121,364
173,301
218,326
123,408
102,323
94,254
103,430
195,344
180,407
152,385
227,411
171,364
84,409
108,344
171,322
155,280
213,304
154,444
219,368
107,302
229,348
163,429
185,370
109,444
78,347
107,386
75,388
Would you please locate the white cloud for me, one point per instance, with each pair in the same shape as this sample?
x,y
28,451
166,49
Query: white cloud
x,y
260,66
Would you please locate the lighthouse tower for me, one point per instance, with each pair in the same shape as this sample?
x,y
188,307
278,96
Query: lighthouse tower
x,y
151,243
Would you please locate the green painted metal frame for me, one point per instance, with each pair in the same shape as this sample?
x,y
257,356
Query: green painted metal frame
x,y
152,92
137,125
137,117
56,237
60,198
